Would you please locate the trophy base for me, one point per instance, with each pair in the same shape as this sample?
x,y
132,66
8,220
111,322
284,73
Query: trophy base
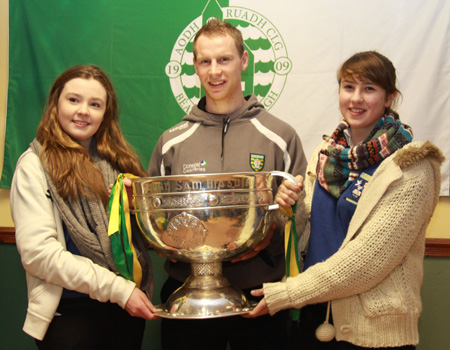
x,y
164,314
207,296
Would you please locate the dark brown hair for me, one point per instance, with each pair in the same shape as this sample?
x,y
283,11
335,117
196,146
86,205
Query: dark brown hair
x,y
374,67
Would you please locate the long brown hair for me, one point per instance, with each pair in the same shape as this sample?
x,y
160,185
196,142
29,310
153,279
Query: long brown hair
x,y
372,66
69,164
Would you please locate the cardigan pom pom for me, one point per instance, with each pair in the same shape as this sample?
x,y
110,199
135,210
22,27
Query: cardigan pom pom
x,y
325,332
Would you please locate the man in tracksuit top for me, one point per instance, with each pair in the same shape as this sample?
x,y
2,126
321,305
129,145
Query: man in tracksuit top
x,y
227,132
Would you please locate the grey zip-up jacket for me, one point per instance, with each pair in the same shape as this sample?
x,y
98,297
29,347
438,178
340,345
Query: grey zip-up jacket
x,y
249,139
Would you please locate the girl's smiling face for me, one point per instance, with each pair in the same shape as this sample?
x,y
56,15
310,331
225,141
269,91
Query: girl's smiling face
x,y
81,107
362,104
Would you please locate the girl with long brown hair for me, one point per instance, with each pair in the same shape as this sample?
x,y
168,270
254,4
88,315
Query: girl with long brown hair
x,y
77,299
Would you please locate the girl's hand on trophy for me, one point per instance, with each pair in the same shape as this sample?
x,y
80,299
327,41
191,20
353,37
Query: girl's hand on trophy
x,y
260,309
128,187
258,248
288,193
139,306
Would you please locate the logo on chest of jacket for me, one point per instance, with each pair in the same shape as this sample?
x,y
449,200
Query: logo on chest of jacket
x,y
198,167
257,161
358,187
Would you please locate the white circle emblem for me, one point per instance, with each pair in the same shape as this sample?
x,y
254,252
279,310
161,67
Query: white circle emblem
x,y
268,68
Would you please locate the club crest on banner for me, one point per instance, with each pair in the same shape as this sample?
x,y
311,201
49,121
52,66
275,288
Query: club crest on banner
x,y
268,67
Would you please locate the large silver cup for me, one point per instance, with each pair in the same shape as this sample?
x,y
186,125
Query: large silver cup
x,y
204,220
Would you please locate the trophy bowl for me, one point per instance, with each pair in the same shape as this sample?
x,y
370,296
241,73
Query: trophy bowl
x,y
205,219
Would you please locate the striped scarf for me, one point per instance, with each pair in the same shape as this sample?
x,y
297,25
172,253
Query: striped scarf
x,y
340,164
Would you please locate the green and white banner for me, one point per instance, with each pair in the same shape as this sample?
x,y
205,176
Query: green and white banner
x,y
295,50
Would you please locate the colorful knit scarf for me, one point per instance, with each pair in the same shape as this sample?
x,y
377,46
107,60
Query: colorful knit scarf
x,y
340,164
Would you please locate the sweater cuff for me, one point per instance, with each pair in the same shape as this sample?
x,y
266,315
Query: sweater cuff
x,y
124,294
276,297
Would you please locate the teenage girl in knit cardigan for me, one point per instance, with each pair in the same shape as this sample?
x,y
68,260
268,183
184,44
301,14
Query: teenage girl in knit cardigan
x,y
369,195
77,299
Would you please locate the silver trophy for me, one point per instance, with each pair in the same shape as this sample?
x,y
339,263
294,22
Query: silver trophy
x,y
205,220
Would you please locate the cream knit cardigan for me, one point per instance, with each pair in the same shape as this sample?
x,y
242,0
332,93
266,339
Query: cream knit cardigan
x,y
374,280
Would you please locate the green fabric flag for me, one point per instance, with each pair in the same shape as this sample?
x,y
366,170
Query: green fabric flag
x,y
131,41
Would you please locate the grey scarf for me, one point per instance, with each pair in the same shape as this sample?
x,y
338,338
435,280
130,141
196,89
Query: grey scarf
x,y
87,222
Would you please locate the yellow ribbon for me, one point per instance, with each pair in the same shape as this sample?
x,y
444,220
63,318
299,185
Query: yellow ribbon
x,y
290,249
120,232
290,242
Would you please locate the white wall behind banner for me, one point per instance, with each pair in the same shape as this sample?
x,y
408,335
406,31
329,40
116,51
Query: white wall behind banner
x,y
320,35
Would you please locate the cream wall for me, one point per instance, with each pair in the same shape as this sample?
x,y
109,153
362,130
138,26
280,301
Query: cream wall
x,y
438,227
5,216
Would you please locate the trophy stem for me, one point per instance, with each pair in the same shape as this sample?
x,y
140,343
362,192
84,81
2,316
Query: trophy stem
x,y
213,268
205,294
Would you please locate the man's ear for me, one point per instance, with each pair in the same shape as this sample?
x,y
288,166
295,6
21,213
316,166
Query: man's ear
x,y
195,65
244,60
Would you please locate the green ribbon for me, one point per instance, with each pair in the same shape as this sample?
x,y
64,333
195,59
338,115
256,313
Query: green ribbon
x,y
120,233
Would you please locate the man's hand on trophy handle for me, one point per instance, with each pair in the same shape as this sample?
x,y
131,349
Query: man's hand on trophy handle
x,y
170,259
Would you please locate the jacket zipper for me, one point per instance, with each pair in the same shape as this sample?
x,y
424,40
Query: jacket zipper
x,y
226,122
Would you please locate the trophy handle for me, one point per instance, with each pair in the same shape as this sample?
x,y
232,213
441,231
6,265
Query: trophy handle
x,y
286,176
